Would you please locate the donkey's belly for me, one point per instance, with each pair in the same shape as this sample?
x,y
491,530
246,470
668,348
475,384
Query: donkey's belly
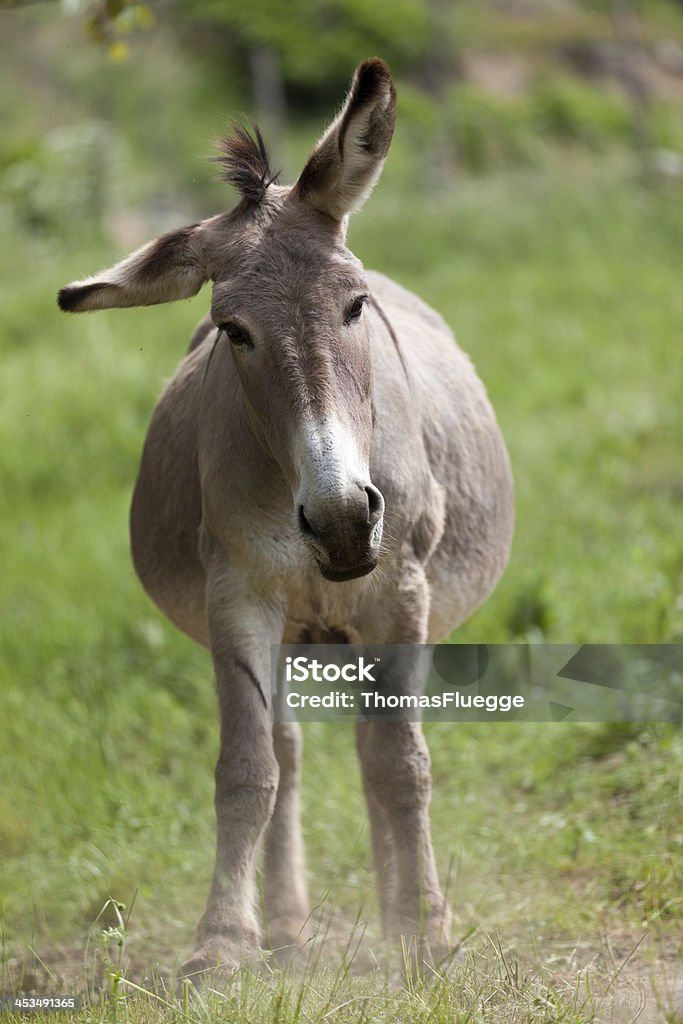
x,y
475,544
166,509
167,563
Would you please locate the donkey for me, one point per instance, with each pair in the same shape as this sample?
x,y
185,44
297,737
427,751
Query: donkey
x,y
316,402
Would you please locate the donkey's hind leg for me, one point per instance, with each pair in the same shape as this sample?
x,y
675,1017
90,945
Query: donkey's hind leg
x,y
381,838
396,771
396,774
286,897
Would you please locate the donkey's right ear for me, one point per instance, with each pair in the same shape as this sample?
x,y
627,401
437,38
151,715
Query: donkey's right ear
x,y
164,270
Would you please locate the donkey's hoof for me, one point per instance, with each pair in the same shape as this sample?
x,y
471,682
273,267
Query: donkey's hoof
x,y
286,937
215,962
437,937
428,944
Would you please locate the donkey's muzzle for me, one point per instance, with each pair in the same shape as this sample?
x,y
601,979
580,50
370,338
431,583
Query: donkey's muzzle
x,y
344,533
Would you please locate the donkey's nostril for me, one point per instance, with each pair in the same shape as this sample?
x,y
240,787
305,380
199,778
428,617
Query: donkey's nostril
x,y
375,503
304,524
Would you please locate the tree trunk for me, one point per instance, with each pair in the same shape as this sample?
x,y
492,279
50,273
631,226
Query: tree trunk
x,y
269,98
632,72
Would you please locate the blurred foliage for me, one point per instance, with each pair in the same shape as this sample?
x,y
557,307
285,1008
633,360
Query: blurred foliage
x,y
68,180
558,109
108,22
95,162
318,40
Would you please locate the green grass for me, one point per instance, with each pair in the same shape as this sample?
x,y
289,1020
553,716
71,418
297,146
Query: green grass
x,y
564,287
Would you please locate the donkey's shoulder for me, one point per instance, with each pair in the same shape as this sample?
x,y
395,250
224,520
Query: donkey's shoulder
x,y
204,329
397,301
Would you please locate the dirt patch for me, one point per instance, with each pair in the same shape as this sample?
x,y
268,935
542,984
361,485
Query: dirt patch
x,y
608,989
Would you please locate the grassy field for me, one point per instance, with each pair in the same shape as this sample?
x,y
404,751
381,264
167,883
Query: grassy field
x,y
562,844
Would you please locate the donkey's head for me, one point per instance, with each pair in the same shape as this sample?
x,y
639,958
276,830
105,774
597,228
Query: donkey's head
x,y
289,298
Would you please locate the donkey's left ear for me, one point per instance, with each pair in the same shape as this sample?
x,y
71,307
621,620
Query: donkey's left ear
x,y
348,160
164,270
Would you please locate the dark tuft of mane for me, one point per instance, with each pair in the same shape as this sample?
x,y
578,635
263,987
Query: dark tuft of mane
x,y
244,162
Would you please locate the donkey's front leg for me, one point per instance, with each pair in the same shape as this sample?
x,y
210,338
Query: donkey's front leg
x,y
246,777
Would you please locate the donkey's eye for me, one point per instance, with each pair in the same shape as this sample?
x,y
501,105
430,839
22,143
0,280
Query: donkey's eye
x,y
238,336
355,309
